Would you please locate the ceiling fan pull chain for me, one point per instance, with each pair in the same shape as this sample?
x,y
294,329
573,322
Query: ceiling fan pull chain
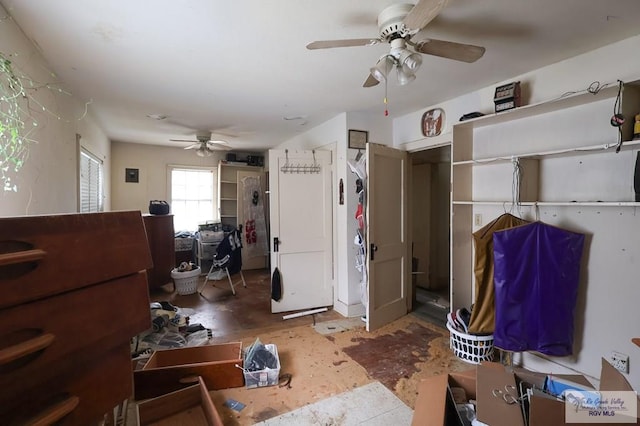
x,y
386,110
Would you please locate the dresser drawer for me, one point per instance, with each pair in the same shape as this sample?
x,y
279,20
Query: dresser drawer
x,y
45,255
42,339
86,393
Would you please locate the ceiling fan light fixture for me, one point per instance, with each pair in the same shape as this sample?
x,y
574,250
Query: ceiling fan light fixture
x,y
381,70
405,77
203,152
410,61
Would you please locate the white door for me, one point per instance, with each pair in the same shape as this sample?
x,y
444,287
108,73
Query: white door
x,y
387,235
301,228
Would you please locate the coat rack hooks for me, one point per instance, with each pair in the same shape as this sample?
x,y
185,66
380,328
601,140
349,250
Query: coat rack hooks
x,y
300,168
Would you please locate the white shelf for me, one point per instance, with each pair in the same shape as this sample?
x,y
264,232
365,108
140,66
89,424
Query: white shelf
x,y
540,108
552,203
590,149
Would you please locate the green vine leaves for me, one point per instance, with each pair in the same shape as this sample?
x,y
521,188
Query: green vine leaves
x,y
17,121
13,140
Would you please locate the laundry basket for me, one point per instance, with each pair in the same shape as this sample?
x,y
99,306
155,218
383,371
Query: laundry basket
x,y
471,348
186,282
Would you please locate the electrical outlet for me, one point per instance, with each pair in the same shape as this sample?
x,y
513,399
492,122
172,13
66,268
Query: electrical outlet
x,y
620,361
478,219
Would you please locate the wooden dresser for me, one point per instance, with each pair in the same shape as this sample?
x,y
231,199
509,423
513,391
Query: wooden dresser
x,y
73,291
162,245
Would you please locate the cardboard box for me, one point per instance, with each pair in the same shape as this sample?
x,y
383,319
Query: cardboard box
x,y
191,405
173,369
488,383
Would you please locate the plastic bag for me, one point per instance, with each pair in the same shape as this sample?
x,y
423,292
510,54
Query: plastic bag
x,y
258,357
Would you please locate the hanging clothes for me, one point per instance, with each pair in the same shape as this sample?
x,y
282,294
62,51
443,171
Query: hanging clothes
x,y
536,278
358,167
483,312
255,228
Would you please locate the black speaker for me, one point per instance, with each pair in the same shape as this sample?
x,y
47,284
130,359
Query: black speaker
x,y
636,177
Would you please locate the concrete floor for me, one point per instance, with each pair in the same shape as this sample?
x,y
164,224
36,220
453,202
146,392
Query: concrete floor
x,y
331,358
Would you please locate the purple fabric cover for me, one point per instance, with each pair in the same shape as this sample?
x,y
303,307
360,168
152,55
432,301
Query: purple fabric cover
x,y
536,276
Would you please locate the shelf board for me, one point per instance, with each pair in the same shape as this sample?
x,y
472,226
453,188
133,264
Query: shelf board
x,y
540,108
228,199
553,203
590,149
228,215
230,182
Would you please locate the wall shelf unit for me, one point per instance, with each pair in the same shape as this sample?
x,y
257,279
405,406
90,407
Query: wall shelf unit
x,y
228,191
231,203
566,152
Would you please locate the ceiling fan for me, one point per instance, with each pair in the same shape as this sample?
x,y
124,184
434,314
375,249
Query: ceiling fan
x,y
397,24
204,146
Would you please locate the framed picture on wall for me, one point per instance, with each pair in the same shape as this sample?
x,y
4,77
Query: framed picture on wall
x,y
358,139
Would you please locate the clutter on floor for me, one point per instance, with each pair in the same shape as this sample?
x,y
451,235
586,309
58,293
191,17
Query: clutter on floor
x,y
496,395
170,329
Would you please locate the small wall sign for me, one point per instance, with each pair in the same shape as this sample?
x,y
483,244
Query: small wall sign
x,y
358,139
131,175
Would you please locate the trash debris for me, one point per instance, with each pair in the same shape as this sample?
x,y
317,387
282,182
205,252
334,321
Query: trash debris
x,y
234,405
170,328
286,377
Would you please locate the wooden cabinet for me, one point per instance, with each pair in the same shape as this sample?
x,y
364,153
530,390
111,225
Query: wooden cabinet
x,y
73,293
161,239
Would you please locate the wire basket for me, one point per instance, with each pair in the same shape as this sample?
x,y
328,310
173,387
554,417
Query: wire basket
x,y
471,348
186,282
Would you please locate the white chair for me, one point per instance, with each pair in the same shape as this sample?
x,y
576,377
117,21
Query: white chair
x,y
219,266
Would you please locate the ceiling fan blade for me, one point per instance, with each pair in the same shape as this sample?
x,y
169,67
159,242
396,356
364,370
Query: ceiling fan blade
x,y
194,146
219,142
370,81
327,44
183,140
218,146
423,13
451,50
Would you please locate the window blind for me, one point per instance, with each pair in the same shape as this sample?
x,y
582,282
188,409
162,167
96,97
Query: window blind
x,y
91,184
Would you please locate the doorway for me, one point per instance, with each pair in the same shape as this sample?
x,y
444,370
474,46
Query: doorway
x,y
430,181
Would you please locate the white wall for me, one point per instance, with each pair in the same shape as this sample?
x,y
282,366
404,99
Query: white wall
x,y
48,181
607,315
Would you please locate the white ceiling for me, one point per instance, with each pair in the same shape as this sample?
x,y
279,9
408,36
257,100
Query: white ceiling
x,y
241,66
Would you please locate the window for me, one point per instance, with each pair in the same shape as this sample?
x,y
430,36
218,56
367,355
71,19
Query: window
x,y
91,183
193,197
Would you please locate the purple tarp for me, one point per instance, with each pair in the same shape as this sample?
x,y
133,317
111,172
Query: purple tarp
x,y
536,276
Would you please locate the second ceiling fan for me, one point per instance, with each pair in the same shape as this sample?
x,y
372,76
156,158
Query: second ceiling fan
x,y
203,144
397,24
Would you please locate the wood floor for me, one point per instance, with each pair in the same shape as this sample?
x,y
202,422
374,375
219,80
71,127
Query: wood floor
x,y
229,316
326,354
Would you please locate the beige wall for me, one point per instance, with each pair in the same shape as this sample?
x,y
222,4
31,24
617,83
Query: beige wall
x,y
48,181
152,162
